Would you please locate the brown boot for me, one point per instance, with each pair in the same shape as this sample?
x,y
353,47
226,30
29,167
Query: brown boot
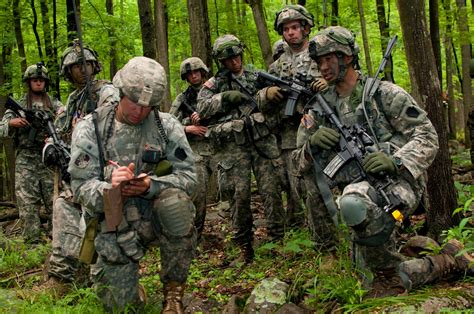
x,y
386,283
54,286
464,262
173,296
246,255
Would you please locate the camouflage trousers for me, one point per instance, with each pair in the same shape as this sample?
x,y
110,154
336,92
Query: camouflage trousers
x,y
234,167
293,187
33,188
67,238
385,255
199,197
167,221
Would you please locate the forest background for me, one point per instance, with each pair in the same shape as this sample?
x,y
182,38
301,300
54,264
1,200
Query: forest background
x,y
431,59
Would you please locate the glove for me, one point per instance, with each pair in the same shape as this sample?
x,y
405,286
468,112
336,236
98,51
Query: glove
x,y
163,168
319,85
233,97
379,161
275,94
325,138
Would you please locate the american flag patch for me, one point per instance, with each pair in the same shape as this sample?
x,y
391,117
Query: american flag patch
x,y
307,121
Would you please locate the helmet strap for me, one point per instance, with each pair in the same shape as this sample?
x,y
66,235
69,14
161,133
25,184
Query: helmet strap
x,y
342,67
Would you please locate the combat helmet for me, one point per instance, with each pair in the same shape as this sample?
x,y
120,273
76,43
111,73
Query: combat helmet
x,y
292,12
338,40
72,55
142,80
37,70
227,46
192,64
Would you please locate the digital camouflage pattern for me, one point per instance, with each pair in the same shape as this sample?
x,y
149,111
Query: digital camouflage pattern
x,y
191,64
33,180
290,66
227,46
36,71
236,156
163,215
404,131
334,39
68,228
292,13
202,150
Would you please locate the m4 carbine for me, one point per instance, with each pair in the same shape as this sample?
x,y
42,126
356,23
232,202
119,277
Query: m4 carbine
x,y
354,143
293,89
55,153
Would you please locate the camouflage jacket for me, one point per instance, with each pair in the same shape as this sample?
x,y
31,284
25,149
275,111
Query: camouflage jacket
x,y
28,137
125,144
401,127
288,67
228,124
102,93
182,108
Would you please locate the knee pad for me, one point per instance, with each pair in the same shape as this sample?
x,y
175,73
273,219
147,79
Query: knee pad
x,y
173,213
353,210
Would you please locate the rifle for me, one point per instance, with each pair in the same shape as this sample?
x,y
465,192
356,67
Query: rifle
x,y
354,144
53,153
190,95
293,89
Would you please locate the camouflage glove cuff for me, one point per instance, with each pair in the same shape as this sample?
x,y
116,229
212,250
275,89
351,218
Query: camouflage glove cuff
x,y
325,138
378,162
319,85
233,97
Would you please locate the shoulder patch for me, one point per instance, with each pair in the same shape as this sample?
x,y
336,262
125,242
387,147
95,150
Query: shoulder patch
x,y
82,161
180,153
209,83
307,121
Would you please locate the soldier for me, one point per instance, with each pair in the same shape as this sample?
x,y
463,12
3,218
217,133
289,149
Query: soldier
x,y
184,107
243,142
294,24
33,180
67,227
400,130
139,141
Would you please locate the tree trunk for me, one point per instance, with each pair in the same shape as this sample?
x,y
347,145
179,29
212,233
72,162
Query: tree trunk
x,y
71,19
19,35
35,29
335,12
229,10
364,38
51,59
434,36
384,39
427,91
448,44
325,14
200,31
262,30
109,6
161,17
147,27
55,51
464,37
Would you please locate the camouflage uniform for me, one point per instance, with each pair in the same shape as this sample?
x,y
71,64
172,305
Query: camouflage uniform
x,y
67,226
236,156
164,214
33,180
295,66
404,133
182,108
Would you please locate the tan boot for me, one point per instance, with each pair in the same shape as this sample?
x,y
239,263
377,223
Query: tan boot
x,y
173,296
386,283
464,262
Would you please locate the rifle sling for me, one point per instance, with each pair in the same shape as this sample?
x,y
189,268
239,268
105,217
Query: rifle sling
x,y
99,146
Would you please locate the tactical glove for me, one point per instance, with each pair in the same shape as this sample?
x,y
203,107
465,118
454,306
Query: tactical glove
x,y
325,138
319,85
163,168
275,94
377,162
233,97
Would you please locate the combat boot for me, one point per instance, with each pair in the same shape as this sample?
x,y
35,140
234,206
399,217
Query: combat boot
x,y
386,283
464,262
173,298
246,255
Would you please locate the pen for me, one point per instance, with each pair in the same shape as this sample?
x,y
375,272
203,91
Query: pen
x,y
114,163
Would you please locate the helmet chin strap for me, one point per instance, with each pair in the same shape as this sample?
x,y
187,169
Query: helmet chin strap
x,y
342,68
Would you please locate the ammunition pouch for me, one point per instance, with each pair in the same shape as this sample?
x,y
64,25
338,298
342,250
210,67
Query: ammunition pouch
x,y
87,253
130,244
